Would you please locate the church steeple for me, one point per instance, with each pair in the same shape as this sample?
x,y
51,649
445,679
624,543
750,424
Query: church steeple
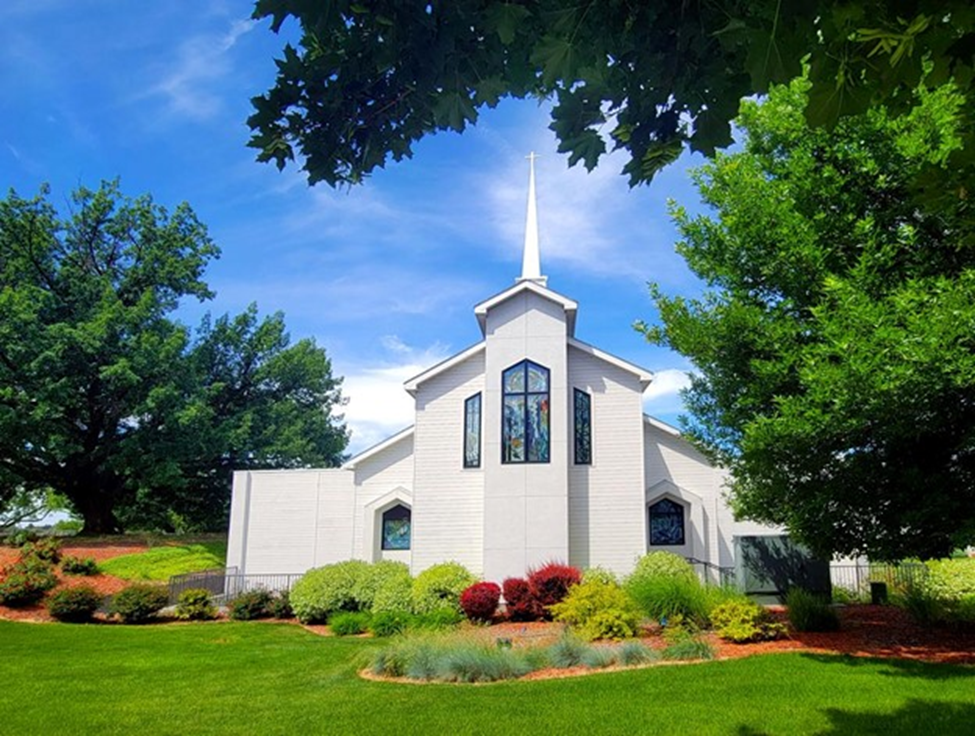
x,y
531,269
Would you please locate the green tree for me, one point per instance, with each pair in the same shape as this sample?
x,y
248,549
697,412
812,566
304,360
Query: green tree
x,y
835,348
368,79
108,401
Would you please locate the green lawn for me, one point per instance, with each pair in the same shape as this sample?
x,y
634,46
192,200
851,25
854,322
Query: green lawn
x,y
267,678
160,563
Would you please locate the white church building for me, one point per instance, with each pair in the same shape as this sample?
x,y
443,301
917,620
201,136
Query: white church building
x,y
527,447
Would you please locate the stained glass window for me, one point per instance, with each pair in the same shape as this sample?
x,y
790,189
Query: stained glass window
x,y
583,427
525,414
396,528
472,432
666,523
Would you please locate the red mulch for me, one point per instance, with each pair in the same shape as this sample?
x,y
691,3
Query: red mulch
x,y
105,584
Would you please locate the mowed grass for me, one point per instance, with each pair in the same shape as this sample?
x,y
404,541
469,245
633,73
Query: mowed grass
x,y
161,563
279,679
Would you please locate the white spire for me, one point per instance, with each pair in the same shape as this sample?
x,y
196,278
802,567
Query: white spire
x,y
531,269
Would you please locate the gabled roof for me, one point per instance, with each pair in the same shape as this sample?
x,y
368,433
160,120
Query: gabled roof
x,y
662,426
645,376
413,384
569,305
353,462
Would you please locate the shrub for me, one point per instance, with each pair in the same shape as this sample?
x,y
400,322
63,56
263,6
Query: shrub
x,y
743,621
599,574
809,612
373,578
349,623
74,605
326,590
437,620
951,580
440,586
251,605
390,623
138,603
79,566
663,598
518,601
598,610
924,608
550,583
480,601
281,605
45,548
195,604
663,564
395,592
26,582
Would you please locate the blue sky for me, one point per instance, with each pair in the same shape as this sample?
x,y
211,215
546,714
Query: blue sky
x,y
384,276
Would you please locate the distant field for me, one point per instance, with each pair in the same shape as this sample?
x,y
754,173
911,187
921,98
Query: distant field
x,y
161,563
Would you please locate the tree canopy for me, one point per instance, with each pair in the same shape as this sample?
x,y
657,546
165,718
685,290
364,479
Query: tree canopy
x,y
835,347
109,401
368,79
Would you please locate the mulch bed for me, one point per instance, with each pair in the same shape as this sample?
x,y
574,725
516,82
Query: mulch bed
x,y
867,631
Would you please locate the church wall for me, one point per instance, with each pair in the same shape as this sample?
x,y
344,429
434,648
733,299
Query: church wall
x,y
287,521
674,459
606,517
448,499
525,504
375,477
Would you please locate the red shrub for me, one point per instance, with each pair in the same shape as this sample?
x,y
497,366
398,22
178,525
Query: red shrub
x,y
550,583
480,601
519,604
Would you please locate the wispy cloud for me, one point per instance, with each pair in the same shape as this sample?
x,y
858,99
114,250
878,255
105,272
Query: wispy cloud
x,y
662,399
189,84
378,405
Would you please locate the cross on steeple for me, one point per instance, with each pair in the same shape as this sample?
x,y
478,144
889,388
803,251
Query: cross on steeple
x,y
531,269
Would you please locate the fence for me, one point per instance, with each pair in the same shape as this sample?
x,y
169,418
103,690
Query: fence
x,y
227,583
852,582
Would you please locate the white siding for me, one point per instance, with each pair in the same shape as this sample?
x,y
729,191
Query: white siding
x,y
375,477
606,518
287,521
448,499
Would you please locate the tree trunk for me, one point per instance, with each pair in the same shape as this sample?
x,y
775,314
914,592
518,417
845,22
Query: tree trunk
x,y
94,499
99,520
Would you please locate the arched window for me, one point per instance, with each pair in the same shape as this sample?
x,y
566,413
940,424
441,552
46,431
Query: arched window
x,y
525,421
666,521
396,528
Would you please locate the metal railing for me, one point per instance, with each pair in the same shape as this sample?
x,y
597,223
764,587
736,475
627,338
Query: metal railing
x,y
712,574
226,584
852,582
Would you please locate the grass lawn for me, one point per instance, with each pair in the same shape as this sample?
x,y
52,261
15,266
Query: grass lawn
x,y
273,678
160,563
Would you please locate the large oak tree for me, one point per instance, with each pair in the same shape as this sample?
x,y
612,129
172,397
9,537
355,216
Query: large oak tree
x,y
835,346
109,401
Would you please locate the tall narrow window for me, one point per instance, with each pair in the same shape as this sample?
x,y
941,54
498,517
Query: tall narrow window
x,y
583,427
525,422
472,432
396,528
666,523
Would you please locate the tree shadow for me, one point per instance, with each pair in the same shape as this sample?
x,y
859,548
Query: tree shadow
x,y
900,667
942,717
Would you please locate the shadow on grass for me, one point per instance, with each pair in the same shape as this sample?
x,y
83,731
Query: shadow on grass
x,y
900,667
942,717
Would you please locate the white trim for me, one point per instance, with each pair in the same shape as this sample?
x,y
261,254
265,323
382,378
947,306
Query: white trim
x,y
353,462
569,305
645,376
413,384
662,426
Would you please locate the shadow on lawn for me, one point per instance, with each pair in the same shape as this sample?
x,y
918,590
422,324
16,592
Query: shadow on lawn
x,y
942,717
900,667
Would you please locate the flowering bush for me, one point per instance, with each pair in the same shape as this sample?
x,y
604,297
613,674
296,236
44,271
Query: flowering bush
x,y
550,583
480,601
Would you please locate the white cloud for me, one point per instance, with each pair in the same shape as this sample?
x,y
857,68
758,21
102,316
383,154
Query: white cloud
x,y
378,405
201,61
662,399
